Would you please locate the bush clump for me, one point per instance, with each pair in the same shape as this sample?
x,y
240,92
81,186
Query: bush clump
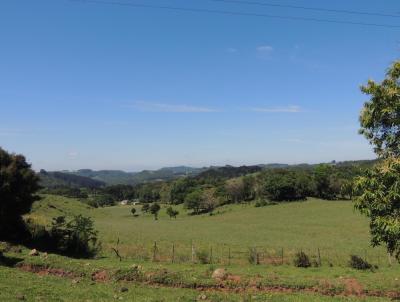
x,y
253,256
134,273
203,257
75,237
301,259
359,263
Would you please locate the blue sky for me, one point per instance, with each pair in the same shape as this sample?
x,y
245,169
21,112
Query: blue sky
x,y
86,85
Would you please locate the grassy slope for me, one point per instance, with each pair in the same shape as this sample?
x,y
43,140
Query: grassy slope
x,y
331,226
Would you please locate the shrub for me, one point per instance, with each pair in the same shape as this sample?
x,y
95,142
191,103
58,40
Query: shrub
x,y
145,208
301,260
171,212
76,238
357,262
261,203
253,256
134,273
203,257
133,211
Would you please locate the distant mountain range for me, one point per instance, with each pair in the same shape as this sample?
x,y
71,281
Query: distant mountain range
x,y
92,179
112,177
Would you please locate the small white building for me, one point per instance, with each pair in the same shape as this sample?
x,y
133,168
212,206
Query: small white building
x,y
124,202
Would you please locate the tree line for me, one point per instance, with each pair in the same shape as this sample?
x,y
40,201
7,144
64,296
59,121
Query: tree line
x,y
207,191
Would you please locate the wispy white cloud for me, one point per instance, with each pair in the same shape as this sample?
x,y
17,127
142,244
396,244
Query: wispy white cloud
x,y
72,154
286,109
265,49
163,107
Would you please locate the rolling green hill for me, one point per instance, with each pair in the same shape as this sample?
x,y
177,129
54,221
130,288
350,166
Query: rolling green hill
x,y
331,226
112,177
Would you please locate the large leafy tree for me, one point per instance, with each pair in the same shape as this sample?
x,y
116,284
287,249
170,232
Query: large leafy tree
x,y
379,189
380,117
18,185
379,199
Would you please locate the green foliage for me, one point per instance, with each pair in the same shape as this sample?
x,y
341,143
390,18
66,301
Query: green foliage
x,y
18,185
76,237
202,256
380,117
253,256
193,201
66,191
60,179
323,181
301,259
380,201
280,185
154,209
133,211
201,201
171,212
133,273
262,203
145,208
100,199
359,263
180,189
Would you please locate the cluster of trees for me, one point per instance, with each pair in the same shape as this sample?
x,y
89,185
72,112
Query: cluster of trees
x,y
210,189
203,194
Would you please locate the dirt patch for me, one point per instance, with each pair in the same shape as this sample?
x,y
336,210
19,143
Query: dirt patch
x,y
234,278
353,287
46,271
100,276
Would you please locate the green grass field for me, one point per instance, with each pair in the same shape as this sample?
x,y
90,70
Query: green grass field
x,y
330,226
333,227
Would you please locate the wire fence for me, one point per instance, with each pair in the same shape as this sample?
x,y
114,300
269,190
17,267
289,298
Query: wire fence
x,y
224,254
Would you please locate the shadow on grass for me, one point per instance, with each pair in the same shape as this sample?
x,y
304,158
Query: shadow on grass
x,y
9,261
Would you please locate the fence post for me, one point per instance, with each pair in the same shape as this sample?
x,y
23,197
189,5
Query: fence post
x,y
319,258
192,251
390,259
257,257
154,251
282,256
211,255
229,256
173,253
